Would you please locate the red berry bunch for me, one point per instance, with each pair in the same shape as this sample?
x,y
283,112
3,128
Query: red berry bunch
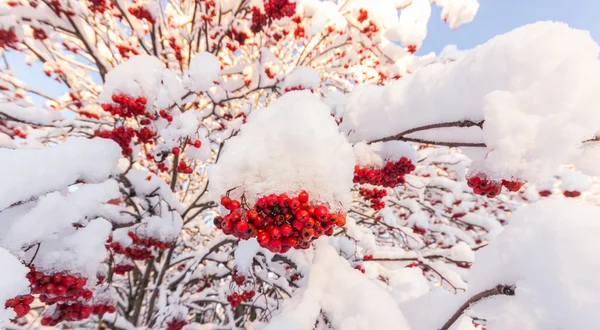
x,y
411,49
368,257
164,114
145,135
20,304
374,195
126,106
88,114
100,6
148,241
74,312
391,175
39,34
141,13
259,20
571,194
122,269
135,253
57,287
122,135
235,299
125,49
279,222
359,268
182,167
175,324
8,39
296,88
363,15
276,9
177,48
483,186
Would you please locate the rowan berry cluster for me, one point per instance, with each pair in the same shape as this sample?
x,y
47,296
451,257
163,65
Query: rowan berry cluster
x,y
148,241
175,324
391,175
481,185
122,135
122,269
125,49
88,114
57,287
259,20
39,34
8,39
141,13
100,6
279,222
374,196
277,9
126,106
75,312
20,304
235,299
296,88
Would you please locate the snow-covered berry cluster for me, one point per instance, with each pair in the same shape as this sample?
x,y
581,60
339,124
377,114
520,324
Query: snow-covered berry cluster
x,y
126,106
259,20
141,12
20,304
176,324
277,9
140,249
58,287
374,196
391,175
73,312
121,135
8,38
242,292
279,222
122,269
481,185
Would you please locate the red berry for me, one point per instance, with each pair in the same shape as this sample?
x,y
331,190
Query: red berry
x,y
197,144
303,197
286,229
321,213
176,151
241,226
302,215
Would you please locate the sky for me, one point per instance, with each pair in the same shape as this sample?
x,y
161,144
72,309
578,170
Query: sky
x,y
494,17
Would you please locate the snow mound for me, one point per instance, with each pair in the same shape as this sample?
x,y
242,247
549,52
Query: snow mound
x,y
538,105
303,77
203,72
12,283
549,251
291,145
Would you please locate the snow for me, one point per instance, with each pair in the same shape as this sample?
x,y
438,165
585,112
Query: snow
x,y
301,149
376,154
411,28
33,115
203,72
458,12
349,299
22,176
165,228
304,77
12,282
549,252
534,121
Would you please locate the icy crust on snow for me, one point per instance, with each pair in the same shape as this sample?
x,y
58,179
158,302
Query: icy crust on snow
x,y
538,105
143,75
12,283
27,173
348,298
291,145
377,154
33,115
203,72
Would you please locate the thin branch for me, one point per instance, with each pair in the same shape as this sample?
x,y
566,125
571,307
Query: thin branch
x,y
507,290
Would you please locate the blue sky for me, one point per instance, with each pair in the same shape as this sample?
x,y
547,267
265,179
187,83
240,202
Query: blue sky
x,y
494,17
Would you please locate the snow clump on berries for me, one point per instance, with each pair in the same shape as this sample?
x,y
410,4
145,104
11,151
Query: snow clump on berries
x,y
301,150
12,282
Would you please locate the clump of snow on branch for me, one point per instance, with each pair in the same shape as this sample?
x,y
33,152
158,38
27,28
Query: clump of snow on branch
x,y
76,159
345,296
538,106
291,145
302,77
458,12
143,75
377,154
203,72
556,286
411,28
31,114
12,282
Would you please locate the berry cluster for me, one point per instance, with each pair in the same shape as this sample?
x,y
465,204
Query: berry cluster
x,y
122,269
359,268
173,44
235,299
122,135
125,49
164,114
141,13
75,312
259,20
391,175
88,114
279,222
363,15
20,304
8,39
296,88
481,185
277,9
374,195
183,167
39,34
175,324
57,287
368,257
139,250
148,241
571,194
126,106
100,6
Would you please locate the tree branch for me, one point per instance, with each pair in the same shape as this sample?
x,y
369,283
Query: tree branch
x,y
507,290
